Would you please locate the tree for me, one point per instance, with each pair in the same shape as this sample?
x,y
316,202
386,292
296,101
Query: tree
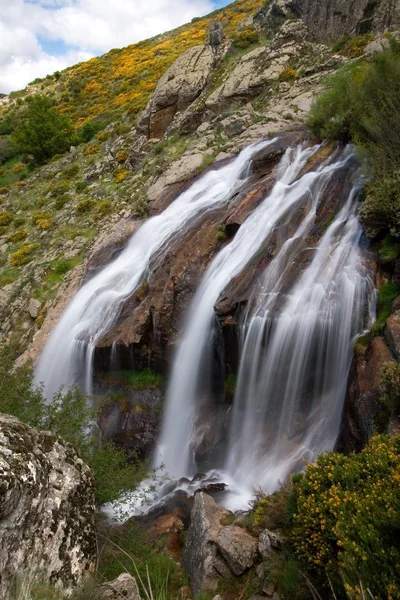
x,y
42,132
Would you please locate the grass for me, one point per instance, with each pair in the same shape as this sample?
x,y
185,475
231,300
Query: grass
x,y
389,250
386,296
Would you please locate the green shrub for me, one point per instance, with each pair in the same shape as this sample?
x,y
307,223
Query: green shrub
x,y
362,104
85,205
246,38
81,186
104,207
42,132
61,201
353,47
389,250
347,518
69,416
58,190
70,172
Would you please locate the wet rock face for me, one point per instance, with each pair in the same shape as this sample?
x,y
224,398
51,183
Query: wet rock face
x,y
132,420
213,548
47,509
362,400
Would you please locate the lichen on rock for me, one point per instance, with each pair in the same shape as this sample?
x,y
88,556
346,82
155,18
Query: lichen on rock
x,y
47,508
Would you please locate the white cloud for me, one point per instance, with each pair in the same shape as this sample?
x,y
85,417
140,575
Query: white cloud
x,y
86,27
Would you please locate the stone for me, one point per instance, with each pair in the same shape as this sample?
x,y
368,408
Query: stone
x,y
392,334
268,542
216,34
235,124
200,549
238,547
332,20
47,508
178,173
124,586
379,44
363,396
180,85
34,308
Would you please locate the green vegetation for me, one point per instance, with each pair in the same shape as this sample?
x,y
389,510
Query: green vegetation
x,y
137,380
347,521
387,293
69,416
362,104
389,250
42,132
245,38
390,386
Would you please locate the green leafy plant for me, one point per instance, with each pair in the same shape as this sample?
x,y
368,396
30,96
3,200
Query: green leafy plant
x,y
42,131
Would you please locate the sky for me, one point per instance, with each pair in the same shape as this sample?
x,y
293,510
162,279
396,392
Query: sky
x,y
38,37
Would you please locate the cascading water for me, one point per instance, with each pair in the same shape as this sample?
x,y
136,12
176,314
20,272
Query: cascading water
x,y
68,356
298,335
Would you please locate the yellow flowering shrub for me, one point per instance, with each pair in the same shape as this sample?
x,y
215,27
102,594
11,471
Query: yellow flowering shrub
x,y
5,217
121,175
288,74
18,167
17,236
91,149
347,518
121,156
23,255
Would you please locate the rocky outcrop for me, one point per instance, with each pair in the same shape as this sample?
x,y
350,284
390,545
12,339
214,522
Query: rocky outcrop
x,y
392,334
213,548
182,83
362,402
332,20
47,509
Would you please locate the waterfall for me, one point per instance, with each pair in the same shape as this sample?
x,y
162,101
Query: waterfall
x,y
297,336
68,356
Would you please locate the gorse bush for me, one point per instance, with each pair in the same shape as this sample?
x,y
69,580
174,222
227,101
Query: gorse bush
x,y
42,132
362,104
347,519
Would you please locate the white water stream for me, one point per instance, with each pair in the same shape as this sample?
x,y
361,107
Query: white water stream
x,y
297,342
68,356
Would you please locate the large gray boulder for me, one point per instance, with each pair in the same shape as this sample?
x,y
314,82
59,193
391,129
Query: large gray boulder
x,y
47,508
213,548
182,83
124,586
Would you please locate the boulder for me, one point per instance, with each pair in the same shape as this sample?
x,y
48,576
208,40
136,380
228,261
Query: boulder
x,y
213,548
177,174
238,548
216,34
124,586
182,83
34,308
47,508
268,542
200,550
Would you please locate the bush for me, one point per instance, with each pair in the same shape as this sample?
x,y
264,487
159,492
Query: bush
x,y
380,210
5,217
81,186
23,255
347,518
390,386
71,417
246,38
17,236
288,74
42,132
85,205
